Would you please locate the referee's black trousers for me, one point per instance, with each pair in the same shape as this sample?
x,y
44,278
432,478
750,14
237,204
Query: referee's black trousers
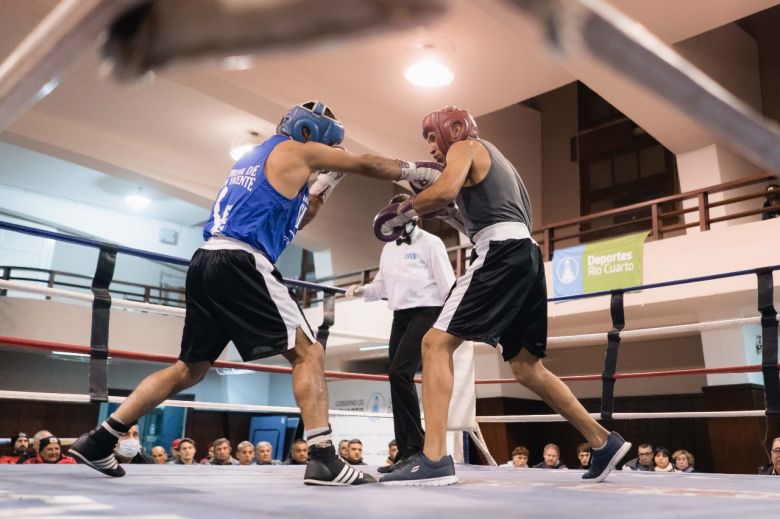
x,y
409,327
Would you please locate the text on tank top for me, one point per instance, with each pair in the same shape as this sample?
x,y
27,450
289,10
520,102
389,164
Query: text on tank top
x,y
250,210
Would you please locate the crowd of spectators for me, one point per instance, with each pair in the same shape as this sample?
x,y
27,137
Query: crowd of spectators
x,y
648,459
46,448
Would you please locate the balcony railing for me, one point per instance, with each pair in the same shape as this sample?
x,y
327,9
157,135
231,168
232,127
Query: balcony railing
x,y
662,217
164,295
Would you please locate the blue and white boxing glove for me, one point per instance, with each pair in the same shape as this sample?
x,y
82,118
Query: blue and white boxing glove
x,y
389,222
420,174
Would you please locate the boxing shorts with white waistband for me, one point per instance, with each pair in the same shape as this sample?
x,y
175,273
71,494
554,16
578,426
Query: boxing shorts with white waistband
x,y
502,296
234,293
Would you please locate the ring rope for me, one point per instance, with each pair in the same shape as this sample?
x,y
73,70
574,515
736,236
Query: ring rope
x,y
69,294
217,406
757,413
170,359
204,406
589,338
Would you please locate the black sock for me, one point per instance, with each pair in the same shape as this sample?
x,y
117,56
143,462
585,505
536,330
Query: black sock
x,y
109,431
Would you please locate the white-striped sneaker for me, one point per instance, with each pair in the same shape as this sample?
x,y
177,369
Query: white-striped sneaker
x,y
86,450
326,469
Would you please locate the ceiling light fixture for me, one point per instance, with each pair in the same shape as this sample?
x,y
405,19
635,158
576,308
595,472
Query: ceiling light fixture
x,y
429,73
428,53
137,200
238,151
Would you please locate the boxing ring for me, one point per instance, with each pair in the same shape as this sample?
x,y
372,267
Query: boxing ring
x,y
153,491
176,492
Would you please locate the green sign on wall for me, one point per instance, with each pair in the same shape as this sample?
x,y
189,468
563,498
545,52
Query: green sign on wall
x,y
603,265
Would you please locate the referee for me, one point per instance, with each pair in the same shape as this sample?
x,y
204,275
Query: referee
x,y
415,275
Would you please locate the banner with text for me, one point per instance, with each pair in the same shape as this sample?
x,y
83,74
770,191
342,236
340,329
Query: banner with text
x,y
603,265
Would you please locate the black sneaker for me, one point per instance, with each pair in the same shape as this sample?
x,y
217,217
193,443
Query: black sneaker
x,y
387,469
419,471
603,460
326,469
87,451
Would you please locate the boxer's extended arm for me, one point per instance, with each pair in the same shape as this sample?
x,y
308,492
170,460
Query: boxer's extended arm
x,y
318,156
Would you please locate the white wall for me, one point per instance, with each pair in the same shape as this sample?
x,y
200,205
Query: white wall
x,y
517,132
560,174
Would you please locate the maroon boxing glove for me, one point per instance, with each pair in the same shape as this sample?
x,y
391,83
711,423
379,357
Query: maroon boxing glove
x,y
389,222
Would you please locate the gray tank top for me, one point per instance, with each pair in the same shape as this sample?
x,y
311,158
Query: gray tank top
x,y
500,197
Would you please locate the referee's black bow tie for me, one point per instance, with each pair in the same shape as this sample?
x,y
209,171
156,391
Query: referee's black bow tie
x,y
407,239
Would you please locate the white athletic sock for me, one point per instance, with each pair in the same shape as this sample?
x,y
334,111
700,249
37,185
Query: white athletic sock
x,y
320,435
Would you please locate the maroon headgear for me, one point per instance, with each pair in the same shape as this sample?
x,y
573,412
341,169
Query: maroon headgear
x,y
439,123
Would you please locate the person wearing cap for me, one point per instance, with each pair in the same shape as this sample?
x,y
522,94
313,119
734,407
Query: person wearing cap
x,y
20,442
773,201
50,452
175,449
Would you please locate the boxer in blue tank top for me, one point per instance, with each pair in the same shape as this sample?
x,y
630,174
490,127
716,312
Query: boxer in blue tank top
x,y
234,292
501,298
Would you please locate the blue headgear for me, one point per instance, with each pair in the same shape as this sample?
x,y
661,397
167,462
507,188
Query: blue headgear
x,y
317,118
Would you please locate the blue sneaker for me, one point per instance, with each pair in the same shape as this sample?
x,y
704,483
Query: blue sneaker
x,y
604,459
419,471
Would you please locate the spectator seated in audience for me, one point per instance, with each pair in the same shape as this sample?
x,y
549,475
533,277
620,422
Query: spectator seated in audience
x,y
245,453
159,455
209,456
299,453
662,459
128,448
264,451
32,448
20,443
392,450
683,461
355,455
519,458
773,469
583,455
773,201
222,450
186,452
552,458
644,460
175,449
344,449
50,451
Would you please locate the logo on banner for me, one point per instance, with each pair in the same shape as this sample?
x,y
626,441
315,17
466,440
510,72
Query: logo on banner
x,y
375,403
568,270
604,265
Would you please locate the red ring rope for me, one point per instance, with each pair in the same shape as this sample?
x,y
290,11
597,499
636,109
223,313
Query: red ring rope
x,y
155,357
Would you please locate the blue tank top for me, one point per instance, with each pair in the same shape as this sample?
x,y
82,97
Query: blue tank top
x,y
250,210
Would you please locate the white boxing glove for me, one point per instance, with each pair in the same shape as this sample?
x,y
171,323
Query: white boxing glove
x,y
420,174
354,291
325,183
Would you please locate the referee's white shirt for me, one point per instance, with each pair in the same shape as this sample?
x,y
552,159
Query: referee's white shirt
x,y
412,275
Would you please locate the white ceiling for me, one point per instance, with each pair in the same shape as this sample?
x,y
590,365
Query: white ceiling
x,y
172,136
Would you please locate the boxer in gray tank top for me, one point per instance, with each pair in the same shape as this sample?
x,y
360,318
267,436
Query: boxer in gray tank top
x,y
500,197
501,298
